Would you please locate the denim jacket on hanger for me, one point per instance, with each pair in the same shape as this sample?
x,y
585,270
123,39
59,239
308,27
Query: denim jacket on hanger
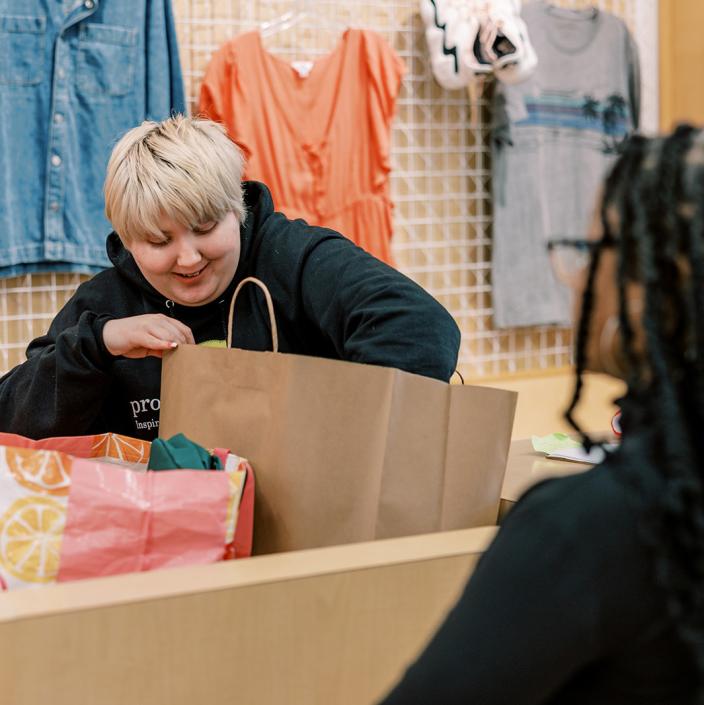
x,y
74,76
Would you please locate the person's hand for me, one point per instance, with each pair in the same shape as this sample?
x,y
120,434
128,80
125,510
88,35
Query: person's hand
x,y
140,336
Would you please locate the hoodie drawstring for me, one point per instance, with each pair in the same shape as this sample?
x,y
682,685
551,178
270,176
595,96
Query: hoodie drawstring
x,y
223,319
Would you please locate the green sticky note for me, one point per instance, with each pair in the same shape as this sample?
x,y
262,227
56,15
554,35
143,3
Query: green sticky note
x,y
555,442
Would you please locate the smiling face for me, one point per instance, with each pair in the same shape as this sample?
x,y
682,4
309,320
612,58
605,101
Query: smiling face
x,y
173,192
189,265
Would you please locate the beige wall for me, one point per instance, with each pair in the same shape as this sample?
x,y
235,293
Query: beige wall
x,y
681,62
543,398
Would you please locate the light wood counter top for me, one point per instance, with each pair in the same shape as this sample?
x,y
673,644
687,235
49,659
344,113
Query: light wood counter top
x,y
526,467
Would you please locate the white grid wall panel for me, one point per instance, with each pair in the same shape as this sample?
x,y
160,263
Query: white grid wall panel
x,y
441,178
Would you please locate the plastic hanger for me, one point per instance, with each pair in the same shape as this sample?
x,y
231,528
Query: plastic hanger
x,y
303,12
586,9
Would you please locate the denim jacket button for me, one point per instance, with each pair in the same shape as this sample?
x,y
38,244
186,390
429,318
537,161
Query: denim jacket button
x,y
56,160
61,73
54,205
89,4
58,118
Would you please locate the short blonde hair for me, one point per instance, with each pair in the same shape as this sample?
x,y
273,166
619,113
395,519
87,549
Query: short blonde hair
x,y
186,169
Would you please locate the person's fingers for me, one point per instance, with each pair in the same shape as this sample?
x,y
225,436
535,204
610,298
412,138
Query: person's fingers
x,y
184,336
149,343
139,353
185,331
144,335
179,332
156,343
167,320
152,334
165,332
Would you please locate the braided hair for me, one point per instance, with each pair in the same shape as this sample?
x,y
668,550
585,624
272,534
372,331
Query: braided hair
x,y
654,200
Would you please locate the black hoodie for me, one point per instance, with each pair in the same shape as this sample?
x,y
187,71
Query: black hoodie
x,y
331,300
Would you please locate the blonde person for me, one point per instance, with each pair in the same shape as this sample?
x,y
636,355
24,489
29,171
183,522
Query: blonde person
x,y
593,590
187,230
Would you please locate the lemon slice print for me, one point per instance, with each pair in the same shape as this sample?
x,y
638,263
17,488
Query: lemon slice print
x,y
30,538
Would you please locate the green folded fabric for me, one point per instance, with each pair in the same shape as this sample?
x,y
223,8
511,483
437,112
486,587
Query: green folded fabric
x,y
180,453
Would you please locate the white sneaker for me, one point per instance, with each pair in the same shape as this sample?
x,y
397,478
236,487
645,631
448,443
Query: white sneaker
x,y
451,31
505,42
473,56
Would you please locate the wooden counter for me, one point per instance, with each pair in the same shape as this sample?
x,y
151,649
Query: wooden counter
x,y
525,467
325,626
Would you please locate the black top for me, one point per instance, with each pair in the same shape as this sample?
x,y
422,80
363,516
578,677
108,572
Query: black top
x,y
562,608
331,300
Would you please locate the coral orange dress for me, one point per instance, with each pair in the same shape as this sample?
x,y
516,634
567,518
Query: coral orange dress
x,y
320,140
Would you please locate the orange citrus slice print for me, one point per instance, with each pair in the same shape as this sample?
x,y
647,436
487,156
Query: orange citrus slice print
x,y
46,471
30,538
124,448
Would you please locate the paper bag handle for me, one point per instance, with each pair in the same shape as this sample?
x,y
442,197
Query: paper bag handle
x,y
269,305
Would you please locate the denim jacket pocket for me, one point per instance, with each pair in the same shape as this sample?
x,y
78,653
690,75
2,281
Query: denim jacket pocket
x,y
106,60
22,43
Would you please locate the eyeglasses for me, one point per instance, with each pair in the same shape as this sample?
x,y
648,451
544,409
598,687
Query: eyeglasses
x,y
571,257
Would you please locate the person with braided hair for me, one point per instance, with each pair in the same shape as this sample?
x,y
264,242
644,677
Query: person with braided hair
x,y
593,590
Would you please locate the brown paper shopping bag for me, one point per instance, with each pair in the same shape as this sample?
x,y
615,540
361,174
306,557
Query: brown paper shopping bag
x,y
343,452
